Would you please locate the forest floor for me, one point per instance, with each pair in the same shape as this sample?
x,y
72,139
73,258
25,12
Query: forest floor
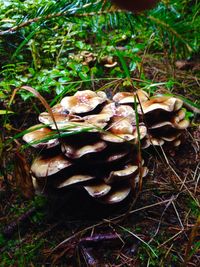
x,y
159,226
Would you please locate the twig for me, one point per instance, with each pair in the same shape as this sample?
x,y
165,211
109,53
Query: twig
x,y
9,229
51,16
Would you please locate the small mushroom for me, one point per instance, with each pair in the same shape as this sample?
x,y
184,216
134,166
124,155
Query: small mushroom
x,y
98,120
44,166
119,175
122,124
83,101
39,136
87,57
79,150
179,121
116,195
131,98
165,103
97,190
76,179
110,65
46,118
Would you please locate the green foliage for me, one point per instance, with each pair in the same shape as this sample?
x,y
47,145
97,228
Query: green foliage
x,y
46,53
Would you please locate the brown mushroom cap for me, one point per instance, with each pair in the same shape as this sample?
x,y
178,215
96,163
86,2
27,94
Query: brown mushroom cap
x,y
39,132
119,175
130,98
98,189
116,195
83,101
124,132
77,151
98,120
46,118
179,121
58,108
76,179
44,166
166,103
122,126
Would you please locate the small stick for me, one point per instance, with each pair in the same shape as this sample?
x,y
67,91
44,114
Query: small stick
x,y
12,227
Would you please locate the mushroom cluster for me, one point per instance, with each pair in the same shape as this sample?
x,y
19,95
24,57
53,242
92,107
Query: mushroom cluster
x,y
165,119
91,142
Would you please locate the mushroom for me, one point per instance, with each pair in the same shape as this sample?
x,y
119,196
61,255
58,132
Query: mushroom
x,y
165,103
47,165
122,126
39,136
116,195
119,175
131,98
98,189
95,149
83,101
75,179
78,150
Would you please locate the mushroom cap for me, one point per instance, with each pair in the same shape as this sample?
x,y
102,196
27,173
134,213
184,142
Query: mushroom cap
x,y
116,195
119,175
44,166
39,132
130,98
110,65
83,101
122,111
166,103
122,124
124,132
76,179
58,108
179,120
176,142
98,120
99,189
70,126
46,118
74,151
143,172
156,141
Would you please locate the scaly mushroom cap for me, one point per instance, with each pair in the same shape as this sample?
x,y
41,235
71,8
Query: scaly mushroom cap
x,y
83,101
36,137
166,103
130,98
